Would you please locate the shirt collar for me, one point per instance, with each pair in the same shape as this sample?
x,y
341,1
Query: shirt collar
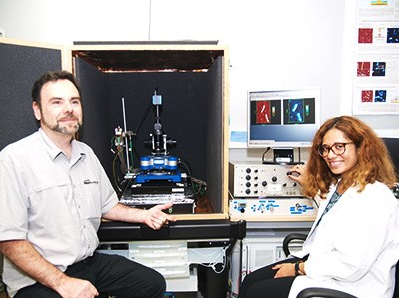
x,y
77,152
54,151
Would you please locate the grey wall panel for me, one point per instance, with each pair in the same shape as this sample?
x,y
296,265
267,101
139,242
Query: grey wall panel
x,y
20,66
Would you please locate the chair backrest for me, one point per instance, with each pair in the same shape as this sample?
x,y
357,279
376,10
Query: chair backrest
x,y
396,285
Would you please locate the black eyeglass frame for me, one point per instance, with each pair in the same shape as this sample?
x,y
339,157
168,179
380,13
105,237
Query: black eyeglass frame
x,y
330,148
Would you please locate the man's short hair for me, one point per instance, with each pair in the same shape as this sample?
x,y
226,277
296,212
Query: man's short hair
x,y
52,76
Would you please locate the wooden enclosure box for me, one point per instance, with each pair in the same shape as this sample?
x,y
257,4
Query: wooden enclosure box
x,y
191,78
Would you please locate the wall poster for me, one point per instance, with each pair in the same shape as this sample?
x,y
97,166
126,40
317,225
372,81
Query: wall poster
x,y
376,71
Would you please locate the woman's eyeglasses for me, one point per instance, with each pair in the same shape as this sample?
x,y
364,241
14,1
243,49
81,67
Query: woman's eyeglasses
x,y
337,148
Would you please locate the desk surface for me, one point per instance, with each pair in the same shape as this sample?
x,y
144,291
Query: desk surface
x,y
185,229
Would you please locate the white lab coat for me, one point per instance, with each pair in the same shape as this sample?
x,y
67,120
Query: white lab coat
x,y
355,246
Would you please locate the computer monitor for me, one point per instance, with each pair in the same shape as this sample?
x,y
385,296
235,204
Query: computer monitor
x,y
283,118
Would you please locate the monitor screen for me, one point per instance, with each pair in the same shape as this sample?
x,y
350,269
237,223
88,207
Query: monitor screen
x,y
283,118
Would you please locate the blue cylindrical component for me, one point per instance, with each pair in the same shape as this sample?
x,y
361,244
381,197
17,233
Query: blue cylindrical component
x,y
146,163
172,163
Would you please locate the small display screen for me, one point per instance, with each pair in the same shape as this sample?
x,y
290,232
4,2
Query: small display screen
x,y
283,118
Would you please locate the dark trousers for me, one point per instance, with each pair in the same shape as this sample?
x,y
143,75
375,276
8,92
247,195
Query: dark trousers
x,y
111,274
261,283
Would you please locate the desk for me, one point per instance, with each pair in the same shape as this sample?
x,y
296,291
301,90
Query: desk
x,y
199,234
188,229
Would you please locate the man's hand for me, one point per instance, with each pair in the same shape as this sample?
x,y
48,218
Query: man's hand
x,y
76,288
156,218
27,259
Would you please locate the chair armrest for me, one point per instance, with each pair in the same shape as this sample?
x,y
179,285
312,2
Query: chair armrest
x,y
290,237
323,293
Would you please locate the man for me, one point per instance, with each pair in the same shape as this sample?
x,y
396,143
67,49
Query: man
x,y
53,195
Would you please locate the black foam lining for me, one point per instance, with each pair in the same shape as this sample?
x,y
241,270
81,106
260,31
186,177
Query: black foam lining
x,y
191,114
20,66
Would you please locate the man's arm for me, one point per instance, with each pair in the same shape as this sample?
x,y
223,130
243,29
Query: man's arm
x,y
27,258
154,217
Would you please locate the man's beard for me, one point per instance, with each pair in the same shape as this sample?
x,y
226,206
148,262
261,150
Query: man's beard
x,y
67,130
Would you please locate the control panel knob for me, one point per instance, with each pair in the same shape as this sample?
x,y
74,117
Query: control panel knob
x,y
248,191
248,170
248,177
248,184
274,179
264,183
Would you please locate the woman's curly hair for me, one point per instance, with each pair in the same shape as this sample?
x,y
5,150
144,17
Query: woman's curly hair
x,y
374,162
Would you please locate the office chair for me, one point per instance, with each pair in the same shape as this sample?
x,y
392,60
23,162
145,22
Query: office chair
x,y
316,292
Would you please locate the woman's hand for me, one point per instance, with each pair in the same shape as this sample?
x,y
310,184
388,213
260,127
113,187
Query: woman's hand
x,y
297,173
284,270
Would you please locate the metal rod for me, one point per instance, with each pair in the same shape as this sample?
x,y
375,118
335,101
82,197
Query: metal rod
x,y
126,138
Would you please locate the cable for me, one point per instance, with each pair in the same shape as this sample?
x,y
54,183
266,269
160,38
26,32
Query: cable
x,y
186,165
130,150
116,182
135,134
217,254
265,152
143,118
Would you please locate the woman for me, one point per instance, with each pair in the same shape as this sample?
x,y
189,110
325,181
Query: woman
x,y
353,244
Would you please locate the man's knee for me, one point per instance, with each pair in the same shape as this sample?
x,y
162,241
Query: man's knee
x,y
151,284
157,285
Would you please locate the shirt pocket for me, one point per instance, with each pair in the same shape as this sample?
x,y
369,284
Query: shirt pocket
x,y
51,202
88,193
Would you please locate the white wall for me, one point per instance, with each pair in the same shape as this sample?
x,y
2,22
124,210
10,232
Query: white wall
x,y
273,44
